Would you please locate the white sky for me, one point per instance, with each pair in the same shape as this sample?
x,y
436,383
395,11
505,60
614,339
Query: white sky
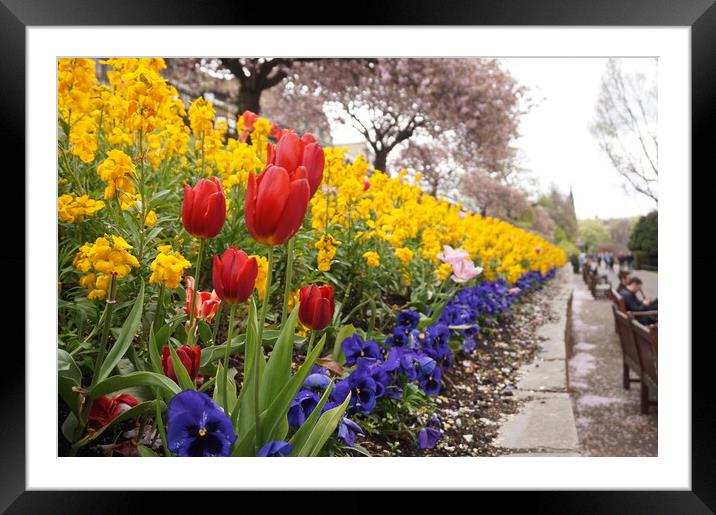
x,y
555,143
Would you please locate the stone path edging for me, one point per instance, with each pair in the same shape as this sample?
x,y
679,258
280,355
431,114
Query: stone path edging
x,y
545,425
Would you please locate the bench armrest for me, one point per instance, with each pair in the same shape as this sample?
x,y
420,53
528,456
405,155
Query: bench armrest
x,y
643,313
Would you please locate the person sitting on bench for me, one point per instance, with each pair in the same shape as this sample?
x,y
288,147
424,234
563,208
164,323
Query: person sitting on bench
x,y
634,303
623,280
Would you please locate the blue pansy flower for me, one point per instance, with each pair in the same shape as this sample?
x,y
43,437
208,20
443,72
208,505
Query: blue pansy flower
x,y
428,437
430,383
196,426
355,348
317,382
278,449
348,430
407,321
301,408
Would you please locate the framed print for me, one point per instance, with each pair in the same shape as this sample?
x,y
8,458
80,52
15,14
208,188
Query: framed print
x,y
424,256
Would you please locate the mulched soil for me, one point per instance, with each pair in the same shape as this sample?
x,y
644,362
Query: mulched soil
x,y
477,394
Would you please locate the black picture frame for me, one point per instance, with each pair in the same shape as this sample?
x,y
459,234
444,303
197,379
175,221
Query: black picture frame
x,y
16,15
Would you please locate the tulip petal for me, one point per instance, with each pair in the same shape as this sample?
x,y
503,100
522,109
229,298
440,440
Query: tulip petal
x,y
289,151
216,279
250,206
314,160
273,192
215,215
322,314
294,213
247,279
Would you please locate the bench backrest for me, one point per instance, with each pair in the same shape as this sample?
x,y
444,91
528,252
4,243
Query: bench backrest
x,y
626,334
646,338
618,300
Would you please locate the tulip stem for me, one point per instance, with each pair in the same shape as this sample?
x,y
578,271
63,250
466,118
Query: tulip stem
x,y
289,278
227,352
197,276
310,342
217,323
259,348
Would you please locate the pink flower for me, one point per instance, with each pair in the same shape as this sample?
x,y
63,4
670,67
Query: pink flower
x,y
206,303
463,271
452,256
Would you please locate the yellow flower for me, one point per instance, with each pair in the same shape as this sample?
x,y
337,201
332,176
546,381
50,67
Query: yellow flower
x,y
201,117
168,267
262,275
293,298
73,209
372,259
150,219
118,172
326,251
443,271
404,255
108,254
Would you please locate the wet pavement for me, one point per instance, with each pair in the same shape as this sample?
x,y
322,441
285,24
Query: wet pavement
x,y
609,420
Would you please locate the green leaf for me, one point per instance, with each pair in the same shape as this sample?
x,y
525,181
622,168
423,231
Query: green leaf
x,y
180,371
69,376
299,438
154,354
69,427
271,418
246,396
343,333
325,427
216,352
278,367
204,332
220,390
124,340
146,452
168,387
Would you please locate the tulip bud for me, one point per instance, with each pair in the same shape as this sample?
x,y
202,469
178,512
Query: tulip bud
x,y
189,357
234,275
317,306
204,209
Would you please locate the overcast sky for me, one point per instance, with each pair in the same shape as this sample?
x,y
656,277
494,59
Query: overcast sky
x,y
555,143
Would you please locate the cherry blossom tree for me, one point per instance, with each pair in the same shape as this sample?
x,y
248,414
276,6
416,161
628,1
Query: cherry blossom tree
x,y
391,100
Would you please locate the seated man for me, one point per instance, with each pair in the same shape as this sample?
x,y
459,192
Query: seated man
x,y
623,280
633,303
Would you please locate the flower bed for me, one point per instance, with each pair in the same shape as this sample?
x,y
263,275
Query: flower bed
x,y
321,292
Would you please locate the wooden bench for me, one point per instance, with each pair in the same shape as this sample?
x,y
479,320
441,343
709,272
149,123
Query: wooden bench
x,y
618,300
630,354
599,286
647,345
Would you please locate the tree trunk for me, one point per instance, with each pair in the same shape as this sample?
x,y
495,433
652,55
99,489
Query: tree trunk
x,y
381,158
249,99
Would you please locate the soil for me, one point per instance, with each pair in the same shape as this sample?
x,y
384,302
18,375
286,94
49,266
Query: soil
x,y
477,393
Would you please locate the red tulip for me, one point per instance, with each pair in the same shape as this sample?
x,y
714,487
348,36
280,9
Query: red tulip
x,y
276,204
366,185
105,409
234,275
189,357
204,209
206,303
293,153
317,304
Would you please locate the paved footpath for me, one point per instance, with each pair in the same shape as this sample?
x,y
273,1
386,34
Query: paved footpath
x,y
545,425
608,418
